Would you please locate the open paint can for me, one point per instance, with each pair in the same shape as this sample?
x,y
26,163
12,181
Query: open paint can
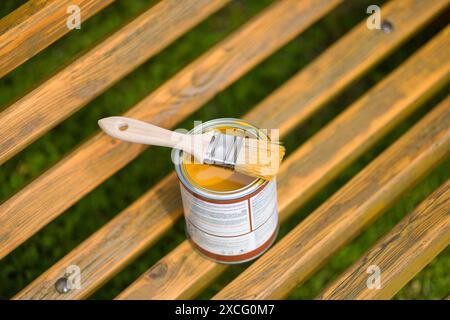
x,y
230,217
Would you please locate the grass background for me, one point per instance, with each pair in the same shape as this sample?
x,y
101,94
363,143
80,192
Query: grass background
x,y
63,234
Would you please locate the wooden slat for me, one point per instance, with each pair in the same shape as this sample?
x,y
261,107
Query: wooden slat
x,y
317,162
36,25
347,212
272,28
57,98
400,254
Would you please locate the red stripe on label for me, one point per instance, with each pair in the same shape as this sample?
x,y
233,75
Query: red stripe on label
x,y
237,258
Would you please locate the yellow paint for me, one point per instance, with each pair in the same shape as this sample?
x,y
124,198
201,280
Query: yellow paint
x,y
215,178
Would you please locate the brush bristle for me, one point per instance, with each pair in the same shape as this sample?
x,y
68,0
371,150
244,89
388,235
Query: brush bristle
x,y
259,158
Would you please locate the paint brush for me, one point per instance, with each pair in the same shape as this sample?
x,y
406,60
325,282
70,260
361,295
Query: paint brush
x,y
251,156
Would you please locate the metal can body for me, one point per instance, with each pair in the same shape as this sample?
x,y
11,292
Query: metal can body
x,y
230,226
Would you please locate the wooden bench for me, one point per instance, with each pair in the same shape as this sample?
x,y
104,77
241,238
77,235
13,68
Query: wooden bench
x,y
183,273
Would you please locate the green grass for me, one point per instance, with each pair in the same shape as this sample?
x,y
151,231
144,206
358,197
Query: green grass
x,y
99,206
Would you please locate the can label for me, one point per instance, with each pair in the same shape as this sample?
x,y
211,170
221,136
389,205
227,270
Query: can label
x,y
232,230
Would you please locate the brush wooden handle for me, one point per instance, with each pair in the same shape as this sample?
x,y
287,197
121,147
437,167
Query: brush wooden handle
x,y
137,131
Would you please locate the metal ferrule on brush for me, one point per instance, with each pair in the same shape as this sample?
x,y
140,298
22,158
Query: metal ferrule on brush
x,y
223,150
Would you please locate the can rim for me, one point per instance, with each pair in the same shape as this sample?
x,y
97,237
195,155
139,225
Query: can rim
x,y
177,155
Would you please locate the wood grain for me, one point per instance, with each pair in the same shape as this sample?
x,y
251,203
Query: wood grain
x,y
109,158
378,103
37,24
162,279
63,94
101,156
401,253
341,64
113,245
347,212
321,159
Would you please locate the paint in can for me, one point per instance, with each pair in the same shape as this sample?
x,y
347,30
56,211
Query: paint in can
x,y
230,217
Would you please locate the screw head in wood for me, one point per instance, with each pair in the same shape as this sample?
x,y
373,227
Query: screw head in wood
x,y
387,26
62,285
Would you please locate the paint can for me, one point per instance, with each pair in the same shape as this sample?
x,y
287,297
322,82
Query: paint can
x,y
230,217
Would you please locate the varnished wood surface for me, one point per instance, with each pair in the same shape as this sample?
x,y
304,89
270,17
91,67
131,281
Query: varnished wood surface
x,y
300,253
112,246
101,151
73,87
185,254
182,274
320,159
315,163
37,24
101,156
400,254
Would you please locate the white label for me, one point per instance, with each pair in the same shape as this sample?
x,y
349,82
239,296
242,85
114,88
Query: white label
x,y
231,229
263,204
